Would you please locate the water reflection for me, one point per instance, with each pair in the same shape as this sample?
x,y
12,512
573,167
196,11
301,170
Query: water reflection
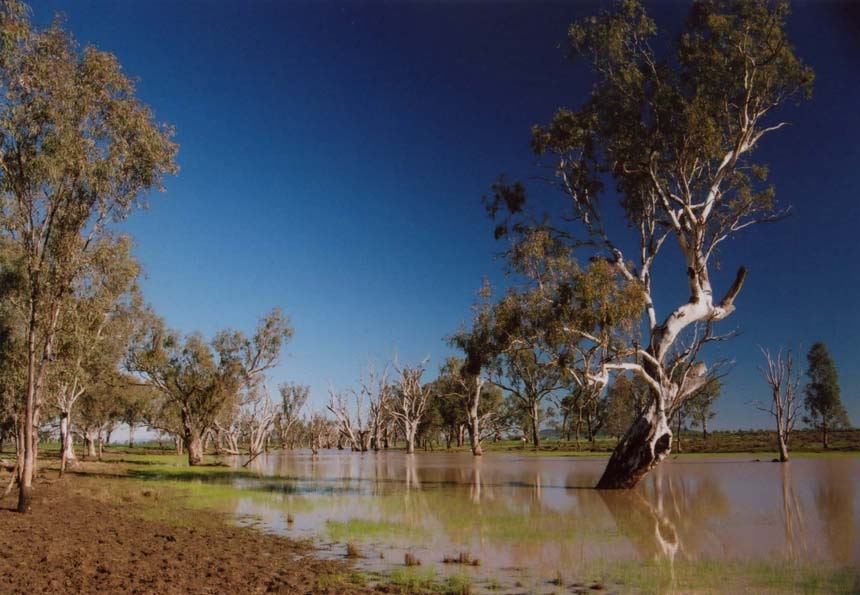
x,y
540,515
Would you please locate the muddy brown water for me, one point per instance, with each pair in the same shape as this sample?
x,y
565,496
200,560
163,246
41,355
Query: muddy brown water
x,y
531,520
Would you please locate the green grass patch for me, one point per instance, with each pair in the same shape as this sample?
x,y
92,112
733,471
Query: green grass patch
x,y
365,530
414,579
723,575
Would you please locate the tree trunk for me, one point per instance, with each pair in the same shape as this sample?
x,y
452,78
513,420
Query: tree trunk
x,y
194,445
589,426
19,450
67,450
131,435
705,428
475,435
535,417
824,440
101,444
642,448
410,431
89,444
783,447
678,437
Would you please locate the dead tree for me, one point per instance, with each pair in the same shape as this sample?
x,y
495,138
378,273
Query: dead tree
x,y
376,388
409,402
347,426
784,381
257,420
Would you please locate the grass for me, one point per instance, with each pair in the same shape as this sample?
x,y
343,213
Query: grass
x,y
162,487
340,579
458,584
367,530
738,576
414,579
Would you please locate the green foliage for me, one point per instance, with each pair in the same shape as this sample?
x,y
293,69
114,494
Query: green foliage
x,y
700,404
823,401
198,380
625,400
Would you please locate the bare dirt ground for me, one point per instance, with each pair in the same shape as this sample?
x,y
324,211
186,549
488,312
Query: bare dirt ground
x,y
73,542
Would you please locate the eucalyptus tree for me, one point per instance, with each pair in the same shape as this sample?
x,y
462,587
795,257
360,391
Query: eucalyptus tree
x,y
348,421
408,402
12,362
257,420
293,399
197,379
135,403
552,334
93,335
784,406
823,401
77,150
673,133
701,404
376,389
523,364
470,376
624,402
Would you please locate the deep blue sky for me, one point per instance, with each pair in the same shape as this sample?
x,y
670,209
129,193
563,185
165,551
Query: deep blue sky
x,y
334,155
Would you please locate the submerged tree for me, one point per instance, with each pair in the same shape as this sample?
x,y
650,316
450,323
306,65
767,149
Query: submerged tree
x,y
408,401
823,402
675,133
77,150
783,380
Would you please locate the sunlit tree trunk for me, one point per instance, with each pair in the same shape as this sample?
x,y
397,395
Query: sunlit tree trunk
x,y
194,445
534,414
644,445
66,445
20,436
410,429
474,419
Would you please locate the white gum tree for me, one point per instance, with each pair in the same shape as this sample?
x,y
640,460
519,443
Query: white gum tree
x,y
674,133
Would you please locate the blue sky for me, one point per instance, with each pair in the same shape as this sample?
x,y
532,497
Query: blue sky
x,y
333,158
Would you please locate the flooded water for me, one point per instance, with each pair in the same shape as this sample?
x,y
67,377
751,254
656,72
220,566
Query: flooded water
x,y
533,522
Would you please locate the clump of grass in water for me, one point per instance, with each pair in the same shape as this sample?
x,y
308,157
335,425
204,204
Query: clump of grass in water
x,y
462,558
352,551
458,584
411,560
413,580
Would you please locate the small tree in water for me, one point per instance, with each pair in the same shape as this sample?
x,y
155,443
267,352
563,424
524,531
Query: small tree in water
x,y
780,375
825,411
675,135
